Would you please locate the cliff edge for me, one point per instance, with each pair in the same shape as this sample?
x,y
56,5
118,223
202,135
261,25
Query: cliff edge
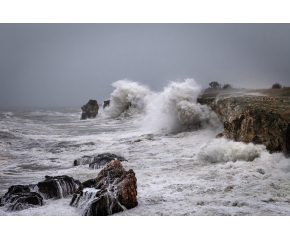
x,y
258,119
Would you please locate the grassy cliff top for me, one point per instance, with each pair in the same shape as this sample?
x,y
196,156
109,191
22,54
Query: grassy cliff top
x,y
277,100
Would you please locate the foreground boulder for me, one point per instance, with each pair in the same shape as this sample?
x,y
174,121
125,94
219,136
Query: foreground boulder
x,y
97,161
90,110
20,197
246,122
58,186
114,190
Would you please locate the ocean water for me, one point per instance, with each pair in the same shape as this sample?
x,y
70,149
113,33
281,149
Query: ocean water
x,y
169,142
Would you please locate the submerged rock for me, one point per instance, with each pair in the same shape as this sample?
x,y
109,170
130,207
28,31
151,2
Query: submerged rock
x,y
114,190
90,110
58,186
106,104
97,161
104,158
20,197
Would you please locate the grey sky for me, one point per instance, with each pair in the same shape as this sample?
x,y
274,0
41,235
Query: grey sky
x,y
68,64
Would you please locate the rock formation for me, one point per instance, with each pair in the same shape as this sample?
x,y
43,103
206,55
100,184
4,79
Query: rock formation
x,y
58,187
248,123
97,161
106,104
90,110
114,190
20,197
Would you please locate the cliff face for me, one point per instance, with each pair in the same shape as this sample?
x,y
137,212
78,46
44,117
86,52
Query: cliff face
x,y
246,122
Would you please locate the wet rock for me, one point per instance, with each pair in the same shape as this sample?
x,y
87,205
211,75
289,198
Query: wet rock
x,y
90,110
104,158
98,160
247,123
106,104
58,186
229,188
86,159
20,197
260,127
112,191
261,171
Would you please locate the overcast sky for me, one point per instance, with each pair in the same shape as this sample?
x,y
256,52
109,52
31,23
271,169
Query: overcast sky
x,y
68,64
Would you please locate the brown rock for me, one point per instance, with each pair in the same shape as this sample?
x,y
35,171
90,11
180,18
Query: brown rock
x,y
246,123
116,191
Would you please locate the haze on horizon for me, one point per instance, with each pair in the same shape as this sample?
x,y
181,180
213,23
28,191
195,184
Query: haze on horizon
x,y
44,65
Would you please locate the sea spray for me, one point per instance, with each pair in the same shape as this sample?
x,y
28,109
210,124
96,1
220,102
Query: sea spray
x,y
175,109
224,150
127,95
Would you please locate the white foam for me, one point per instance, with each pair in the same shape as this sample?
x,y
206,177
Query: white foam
x,y
176,108
224,150
126,93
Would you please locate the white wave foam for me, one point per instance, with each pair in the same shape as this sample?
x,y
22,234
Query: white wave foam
x,y
176,108
126,95
224,150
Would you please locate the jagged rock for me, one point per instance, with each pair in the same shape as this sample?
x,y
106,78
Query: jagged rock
x,y
246,123
20,197
260,127
90,110
58,187
97,161
114,190
106,104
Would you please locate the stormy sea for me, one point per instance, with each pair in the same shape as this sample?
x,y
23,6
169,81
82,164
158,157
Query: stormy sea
x,y
167,138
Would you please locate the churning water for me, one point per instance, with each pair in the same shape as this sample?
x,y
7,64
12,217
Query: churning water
x,y
168,140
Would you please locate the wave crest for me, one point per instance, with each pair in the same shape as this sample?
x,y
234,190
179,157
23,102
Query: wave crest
x,y
175,109
127,95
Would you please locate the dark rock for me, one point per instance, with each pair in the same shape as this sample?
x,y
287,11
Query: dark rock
x,y
90,110
114,190
104,158
58,187
83,160
20,197
98,160
106,104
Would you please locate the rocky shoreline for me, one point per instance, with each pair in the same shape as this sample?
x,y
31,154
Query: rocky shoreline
x,y
113,190
246,120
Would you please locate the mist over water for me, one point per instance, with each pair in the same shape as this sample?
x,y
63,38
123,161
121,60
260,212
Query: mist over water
x,y
169,141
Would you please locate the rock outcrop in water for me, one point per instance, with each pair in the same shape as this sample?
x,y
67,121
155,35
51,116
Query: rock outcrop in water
x,y
114,190
58,187
90,110
106,104
247,123
20,197
97,161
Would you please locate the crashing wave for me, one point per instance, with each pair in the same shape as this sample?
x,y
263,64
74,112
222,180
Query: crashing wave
x,y
176,109
127,96
224,150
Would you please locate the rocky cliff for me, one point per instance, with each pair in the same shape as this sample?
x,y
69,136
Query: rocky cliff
x,y
252,119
